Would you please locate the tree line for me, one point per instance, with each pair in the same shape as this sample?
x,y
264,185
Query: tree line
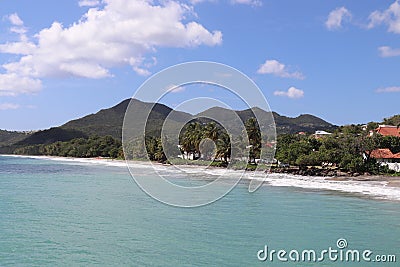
x,y
195,136
348,148
207,141
94,146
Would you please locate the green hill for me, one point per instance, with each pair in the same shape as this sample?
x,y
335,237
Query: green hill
x,y
50,136
108,122
303,123
8,137
105,122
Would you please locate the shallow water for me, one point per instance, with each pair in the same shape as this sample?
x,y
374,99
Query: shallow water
x,y
79,214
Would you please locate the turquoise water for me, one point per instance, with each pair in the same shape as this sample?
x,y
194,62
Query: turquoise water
x,y
64,214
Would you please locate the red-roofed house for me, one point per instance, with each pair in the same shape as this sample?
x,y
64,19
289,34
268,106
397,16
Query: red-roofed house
x,y
385,155
388,130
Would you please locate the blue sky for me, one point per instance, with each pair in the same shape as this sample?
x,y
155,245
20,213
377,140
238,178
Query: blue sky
x,y
60,60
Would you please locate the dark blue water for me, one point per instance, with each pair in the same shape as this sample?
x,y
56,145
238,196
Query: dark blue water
x,y
64,214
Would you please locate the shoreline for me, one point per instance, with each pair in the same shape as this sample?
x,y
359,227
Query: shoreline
x,y
375,186
393,181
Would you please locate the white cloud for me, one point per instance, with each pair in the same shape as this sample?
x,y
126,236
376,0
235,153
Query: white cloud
x,y
254,3
120,33
337,17
18,30
12,84
7,106
278,69
175,89
390,17
89,3
18,48
18,25
292,92
247,2
15,20
386,51
393,89
195,2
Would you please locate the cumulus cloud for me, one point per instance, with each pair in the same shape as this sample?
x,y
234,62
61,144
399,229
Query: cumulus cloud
x,y
337,17
276,68
89,3
120,33
389,17
18,48
292,92
386,51
12,84
393,89
7,106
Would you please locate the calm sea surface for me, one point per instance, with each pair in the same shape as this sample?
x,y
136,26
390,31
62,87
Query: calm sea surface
x,y
64,214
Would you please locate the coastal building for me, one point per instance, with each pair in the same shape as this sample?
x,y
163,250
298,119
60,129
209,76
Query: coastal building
x,y
189,156
385,157
387,130
320,134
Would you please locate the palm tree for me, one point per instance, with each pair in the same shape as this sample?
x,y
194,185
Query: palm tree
x,y
224,147
159,154
186,140
254,136
197,136
191,138
211,131
151,147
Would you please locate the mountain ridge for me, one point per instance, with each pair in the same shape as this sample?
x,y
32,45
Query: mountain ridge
x,y
109,121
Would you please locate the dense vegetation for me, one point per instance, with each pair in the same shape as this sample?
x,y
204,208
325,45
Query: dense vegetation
x,y
349,148
394,120
95,146
194,133
205,141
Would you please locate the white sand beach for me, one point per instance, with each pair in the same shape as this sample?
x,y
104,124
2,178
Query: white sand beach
x,y
379,187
